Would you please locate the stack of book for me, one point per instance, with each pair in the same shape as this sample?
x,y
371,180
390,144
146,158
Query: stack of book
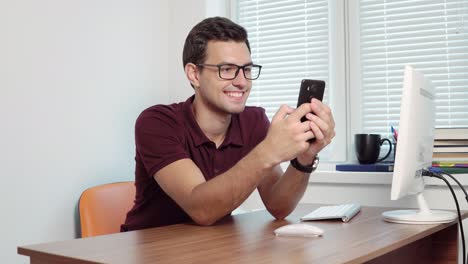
x,y
457,167
450,152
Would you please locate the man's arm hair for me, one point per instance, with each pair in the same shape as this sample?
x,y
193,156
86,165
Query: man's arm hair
x,y
208,201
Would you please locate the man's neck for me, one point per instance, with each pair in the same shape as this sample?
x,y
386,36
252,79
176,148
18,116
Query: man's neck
x,y
213,124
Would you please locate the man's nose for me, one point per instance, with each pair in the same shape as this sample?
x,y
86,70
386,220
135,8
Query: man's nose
x,y
240,80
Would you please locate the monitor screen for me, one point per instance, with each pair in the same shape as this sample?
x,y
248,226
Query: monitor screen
x,y
414,150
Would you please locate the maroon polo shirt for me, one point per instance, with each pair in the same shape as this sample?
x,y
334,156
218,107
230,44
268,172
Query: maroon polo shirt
x,y
167,133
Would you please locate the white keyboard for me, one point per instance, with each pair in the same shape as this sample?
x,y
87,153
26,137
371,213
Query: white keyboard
x,y
342,211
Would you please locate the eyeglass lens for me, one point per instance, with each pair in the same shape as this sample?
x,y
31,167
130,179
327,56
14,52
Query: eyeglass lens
x,y
230,71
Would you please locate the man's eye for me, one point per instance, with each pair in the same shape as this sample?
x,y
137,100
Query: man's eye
x,y
228,69
247,69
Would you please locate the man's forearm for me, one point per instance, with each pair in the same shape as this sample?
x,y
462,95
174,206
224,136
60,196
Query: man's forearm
x,y
281,199
222,194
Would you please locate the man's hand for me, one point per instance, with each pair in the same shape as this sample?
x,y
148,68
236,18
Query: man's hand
x,y
322,125
288,138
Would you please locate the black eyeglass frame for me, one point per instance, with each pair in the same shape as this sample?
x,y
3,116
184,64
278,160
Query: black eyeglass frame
x,y
237,71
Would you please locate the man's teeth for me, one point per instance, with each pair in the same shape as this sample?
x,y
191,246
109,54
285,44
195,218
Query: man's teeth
x,y
234,94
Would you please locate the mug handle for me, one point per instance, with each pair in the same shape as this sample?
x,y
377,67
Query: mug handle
x,y
389,150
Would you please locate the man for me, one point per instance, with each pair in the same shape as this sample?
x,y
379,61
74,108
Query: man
x,y
200,159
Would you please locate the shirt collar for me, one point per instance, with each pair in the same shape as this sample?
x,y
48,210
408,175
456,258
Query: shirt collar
x,y
233,135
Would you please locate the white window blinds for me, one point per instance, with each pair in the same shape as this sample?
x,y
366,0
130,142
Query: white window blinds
x,y
290,40
431,36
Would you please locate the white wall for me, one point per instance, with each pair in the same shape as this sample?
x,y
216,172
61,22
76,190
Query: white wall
x,y
183,16
181,20
74,75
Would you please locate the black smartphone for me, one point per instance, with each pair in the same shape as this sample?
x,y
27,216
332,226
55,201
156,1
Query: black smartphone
x,y
310,89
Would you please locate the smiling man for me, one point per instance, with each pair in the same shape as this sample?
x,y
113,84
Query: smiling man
x,y
198,160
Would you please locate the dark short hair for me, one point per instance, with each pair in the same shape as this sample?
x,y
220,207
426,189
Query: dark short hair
x,y
213,28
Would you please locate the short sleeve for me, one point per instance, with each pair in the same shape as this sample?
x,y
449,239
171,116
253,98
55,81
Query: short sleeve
x,y
159,138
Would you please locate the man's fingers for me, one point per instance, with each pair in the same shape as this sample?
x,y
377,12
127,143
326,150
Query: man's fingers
x,y
317,131
309,135
322,124
322,111
282,112
305,126
301,111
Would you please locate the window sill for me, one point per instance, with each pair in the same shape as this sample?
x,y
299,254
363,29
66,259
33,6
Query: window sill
x,y
371,178
327,175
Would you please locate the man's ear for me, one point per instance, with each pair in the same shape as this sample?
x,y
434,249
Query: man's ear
x,y
191,71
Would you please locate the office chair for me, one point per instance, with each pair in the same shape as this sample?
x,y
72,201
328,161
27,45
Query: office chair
x,y
103,208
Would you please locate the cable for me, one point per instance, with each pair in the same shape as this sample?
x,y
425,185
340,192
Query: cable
x,y
460,222
439,171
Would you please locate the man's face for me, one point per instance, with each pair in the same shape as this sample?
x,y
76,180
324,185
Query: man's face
x,y
225,96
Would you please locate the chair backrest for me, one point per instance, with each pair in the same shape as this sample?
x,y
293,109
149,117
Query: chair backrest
x,y
103,208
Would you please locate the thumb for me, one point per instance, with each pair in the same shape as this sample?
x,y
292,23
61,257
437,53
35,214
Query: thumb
x,y
282,112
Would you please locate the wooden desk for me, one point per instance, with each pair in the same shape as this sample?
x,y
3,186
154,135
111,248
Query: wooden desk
x,y
249,238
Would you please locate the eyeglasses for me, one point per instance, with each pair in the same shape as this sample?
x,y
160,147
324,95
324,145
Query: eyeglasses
x,y
230,71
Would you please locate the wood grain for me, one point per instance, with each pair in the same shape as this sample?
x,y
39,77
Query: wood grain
x,y
249,238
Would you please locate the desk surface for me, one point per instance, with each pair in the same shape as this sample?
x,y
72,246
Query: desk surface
x,y
249,238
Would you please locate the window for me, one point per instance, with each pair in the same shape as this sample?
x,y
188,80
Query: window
x,y
360,48
429,35
292,41
290,38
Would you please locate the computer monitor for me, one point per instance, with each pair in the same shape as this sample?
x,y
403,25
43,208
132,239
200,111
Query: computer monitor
x,y
414,150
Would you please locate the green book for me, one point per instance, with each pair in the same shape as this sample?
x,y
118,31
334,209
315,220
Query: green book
x,y
454,170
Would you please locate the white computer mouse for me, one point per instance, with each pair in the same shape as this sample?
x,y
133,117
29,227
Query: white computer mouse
x,y
301,229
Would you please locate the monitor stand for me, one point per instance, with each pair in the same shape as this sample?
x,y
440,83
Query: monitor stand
x,y
422,216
